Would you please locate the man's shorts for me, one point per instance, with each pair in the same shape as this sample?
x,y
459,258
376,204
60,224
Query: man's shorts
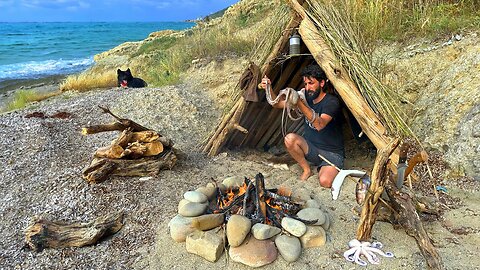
x,y
312,156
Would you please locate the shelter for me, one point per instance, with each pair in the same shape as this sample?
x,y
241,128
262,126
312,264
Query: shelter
x,y
258,125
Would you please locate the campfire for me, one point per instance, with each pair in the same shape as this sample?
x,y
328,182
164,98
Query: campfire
x,y
255,202
254,222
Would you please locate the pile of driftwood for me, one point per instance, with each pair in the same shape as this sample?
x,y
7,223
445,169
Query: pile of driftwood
x,y
138,151
403,208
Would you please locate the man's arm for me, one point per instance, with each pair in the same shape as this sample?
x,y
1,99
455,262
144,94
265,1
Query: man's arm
x,y
317,121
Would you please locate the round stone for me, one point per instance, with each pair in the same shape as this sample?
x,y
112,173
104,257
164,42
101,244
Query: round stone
x,y
195,196
314,237
289,247
192,209
207,191
293,226
237,229
263,231
312,204
180,227
312,214
234,181
254,253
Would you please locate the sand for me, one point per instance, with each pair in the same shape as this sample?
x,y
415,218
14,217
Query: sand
x,y
40,174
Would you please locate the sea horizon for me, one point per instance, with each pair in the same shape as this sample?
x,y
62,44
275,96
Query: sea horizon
x,y
35,50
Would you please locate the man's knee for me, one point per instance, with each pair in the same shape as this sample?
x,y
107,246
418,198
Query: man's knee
x,y
325,180
290,139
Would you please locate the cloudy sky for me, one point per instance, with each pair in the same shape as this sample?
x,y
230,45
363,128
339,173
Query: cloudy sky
x,y
107,10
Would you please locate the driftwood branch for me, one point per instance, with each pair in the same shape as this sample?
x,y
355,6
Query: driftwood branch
x,y
369,210
417,158
43,233
406,215
100,169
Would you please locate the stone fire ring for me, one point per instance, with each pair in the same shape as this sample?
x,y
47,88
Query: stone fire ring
x,y
207,236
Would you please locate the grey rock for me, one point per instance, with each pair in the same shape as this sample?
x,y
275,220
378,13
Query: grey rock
x,y
195,196
289,247
311,214
293,226
180,227
263,231
311,204
207,191
233,181
192,209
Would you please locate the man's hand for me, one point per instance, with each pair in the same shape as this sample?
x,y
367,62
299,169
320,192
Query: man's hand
x,y
265,81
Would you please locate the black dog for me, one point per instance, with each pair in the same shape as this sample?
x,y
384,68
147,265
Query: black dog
x,y
125,79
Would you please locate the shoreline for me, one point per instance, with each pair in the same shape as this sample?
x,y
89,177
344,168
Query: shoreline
x,y
40,85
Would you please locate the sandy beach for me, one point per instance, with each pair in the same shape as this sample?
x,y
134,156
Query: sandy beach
x,y
41,175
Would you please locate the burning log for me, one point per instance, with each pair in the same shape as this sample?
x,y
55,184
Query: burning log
x,y
257,203
137,151
261,213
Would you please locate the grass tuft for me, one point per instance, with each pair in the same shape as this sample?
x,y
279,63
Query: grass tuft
x,y
23,97
89,80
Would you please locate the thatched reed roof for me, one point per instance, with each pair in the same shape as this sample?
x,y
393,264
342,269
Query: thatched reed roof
x,y
332,41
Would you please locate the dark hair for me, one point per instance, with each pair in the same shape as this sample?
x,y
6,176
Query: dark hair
x,y
314,71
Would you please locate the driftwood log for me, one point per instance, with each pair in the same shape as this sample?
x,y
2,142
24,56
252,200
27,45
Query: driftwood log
x,y
100,169
138,151
43,233
406,215
369,210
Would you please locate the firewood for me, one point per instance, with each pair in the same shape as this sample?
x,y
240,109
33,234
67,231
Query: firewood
x,y
43,233
136,149
100,169
125,122
113,151
144,136
124,138
102,128
153,148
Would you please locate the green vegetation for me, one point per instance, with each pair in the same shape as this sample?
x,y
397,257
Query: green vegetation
x,y
169,57
24,97
158,44
400,20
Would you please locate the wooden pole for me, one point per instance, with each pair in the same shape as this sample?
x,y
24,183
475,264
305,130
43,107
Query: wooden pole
x,y
369,210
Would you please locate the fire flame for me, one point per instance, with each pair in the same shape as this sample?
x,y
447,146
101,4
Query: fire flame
x,y
231,195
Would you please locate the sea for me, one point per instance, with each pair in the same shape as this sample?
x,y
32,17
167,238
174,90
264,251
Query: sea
x,y
34,50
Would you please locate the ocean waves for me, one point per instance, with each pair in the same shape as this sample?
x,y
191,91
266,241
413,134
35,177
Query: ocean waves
x,y
39,69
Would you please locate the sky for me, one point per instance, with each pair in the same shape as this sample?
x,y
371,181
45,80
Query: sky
x,y
108,10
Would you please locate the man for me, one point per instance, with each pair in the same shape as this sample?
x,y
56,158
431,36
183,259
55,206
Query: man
x,y
323,128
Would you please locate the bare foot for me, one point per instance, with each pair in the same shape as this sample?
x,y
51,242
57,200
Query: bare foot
x,y
305,175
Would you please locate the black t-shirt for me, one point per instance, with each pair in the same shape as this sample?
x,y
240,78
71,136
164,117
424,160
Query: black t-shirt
x,y
330,138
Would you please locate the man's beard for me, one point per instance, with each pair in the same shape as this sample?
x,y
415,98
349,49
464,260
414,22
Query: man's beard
x,y
312,95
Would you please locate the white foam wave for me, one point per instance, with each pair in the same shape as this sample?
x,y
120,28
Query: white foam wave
x,y
38,69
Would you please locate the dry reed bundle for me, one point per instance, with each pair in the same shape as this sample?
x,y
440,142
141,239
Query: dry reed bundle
x,y
344,37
